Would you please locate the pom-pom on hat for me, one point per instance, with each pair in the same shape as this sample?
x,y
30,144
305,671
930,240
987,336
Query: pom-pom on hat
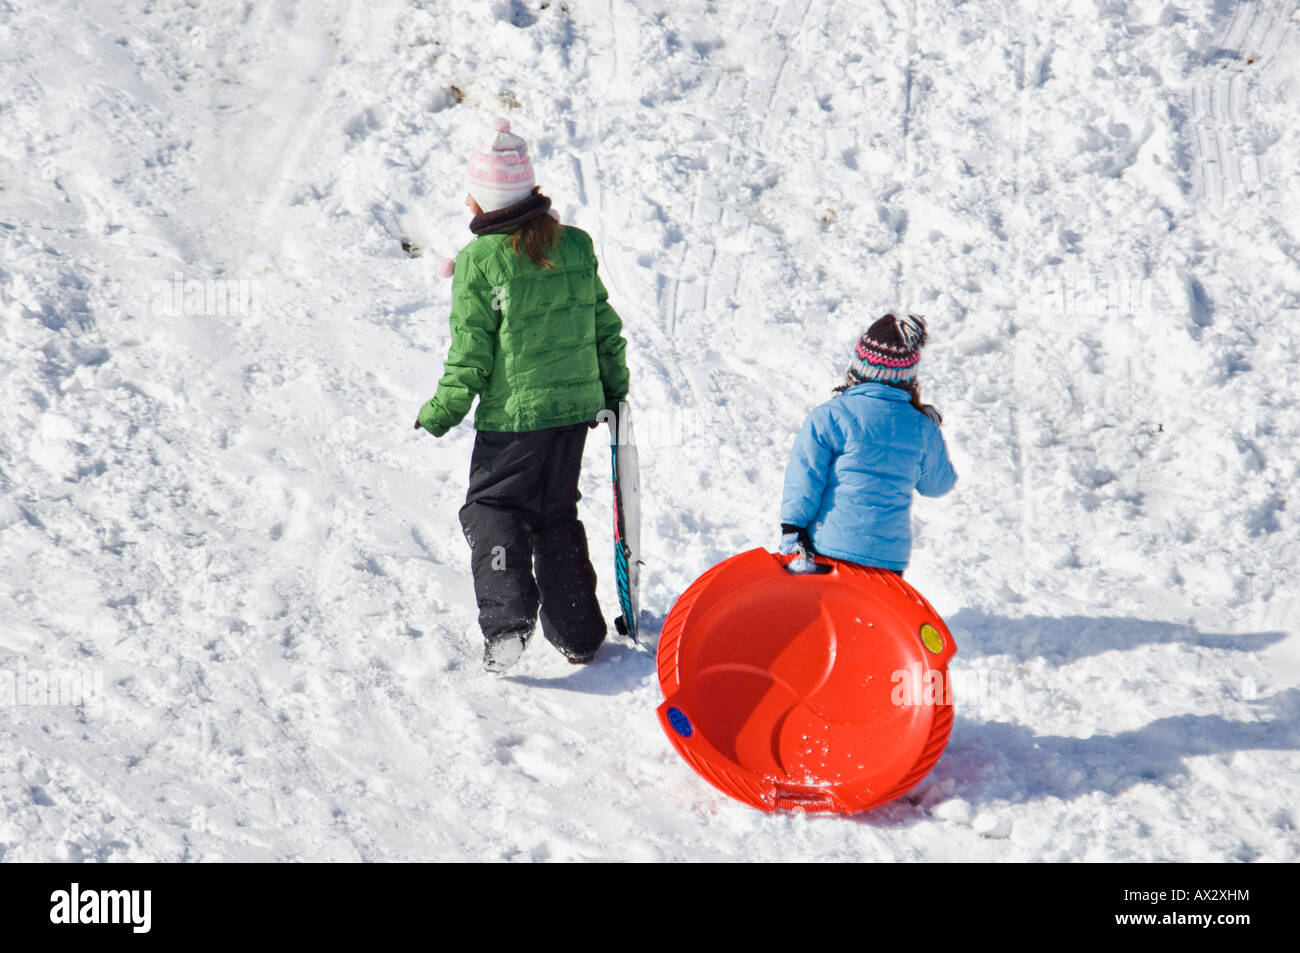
x,y
889,353
500,172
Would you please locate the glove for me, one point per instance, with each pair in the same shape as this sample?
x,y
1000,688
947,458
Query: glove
x,y
795,542
430,419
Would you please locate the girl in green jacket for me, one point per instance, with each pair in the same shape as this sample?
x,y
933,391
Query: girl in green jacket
x,y
534,339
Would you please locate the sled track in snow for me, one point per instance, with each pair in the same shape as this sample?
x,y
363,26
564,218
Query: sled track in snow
x,y
1251,42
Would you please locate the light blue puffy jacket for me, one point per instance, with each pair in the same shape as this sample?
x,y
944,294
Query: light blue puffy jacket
x,y
855,463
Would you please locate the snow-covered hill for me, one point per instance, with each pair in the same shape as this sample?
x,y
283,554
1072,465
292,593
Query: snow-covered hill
x,y
215,517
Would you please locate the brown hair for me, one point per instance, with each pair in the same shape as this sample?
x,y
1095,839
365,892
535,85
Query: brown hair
x,y
536,236
915,390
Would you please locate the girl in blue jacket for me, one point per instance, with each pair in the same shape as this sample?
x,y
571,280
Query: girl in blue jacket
x,y
859,456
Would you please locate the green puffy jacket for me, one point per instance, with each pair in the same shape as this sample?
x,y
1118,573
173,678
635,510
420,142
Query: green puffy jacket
x,y
539,347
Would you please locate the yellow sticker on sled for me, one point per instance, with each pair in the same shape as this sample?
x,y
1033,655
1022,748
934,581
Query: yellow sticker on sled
x,y
931,638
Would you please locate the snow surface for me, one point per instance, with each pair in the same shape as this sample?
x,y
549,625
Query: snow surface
x,y
222,512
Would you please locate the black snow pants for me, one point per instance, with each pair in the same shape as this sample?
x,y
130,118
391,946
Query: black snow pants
x,y
527,546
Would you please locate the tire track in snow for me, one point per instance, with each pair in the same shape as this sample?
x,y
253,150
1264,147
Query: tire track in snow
x,y
317,94
1222,163
781,21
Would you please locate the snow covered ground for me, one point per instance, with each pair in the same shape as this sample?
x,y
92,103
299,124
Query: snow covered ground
x,y
215,516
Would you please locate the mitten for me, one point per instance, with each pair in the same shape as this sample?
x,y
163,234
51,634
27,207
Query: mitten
x,y
795,542
430,419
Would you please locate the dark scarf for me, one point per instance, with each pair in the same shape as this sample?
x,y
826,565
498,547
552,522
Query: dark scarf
x,y
524,210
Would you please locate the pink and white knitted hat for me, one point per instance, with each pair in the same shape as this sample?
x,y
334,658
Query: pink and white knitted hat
x,y
500,172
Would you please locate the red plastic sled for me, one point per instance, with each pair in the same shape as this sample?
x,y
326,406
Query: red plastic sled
x,y
807,693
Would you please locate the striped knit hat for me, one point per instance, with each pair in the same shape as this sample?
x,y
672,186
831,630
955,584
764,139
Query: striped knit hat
x,y
889,353
500,172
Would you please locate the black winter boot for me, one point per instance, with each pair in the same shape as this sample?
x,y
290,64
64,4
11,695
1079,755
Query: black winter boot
x,y
502,651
